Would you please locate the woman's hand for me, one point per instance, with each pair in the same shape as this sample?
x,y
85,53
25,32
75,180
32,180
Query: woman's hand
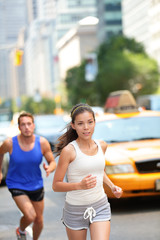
x,y
88,182
117,191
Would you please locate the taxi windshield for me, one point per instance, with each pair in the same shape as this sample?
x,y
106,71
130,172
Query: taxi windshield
x,y
128,129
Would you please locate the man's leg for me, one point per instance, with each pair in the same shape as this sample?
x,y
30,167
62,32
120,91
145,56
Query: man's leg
x,y
38,222
26,207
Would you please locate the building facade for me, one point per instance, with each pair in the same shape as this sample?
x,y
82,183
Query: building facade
x,y
39,49
110,19
39,62
141,21
43,23
12,20
154,29
69,12
136,20
76,44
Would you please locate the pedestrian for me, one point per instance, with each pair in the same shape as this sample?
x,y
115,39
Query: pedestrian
x,y
24,179
82,158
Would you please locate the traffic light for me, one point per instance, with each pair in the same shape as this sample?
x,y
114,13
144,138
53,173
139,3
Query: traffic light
x,y
57,98
18,57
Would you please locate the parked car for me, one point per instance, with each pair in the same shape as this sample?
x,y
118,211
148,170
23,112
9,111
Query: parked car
x,y
5,131
133,153
8,123
50,126
149,102
97,110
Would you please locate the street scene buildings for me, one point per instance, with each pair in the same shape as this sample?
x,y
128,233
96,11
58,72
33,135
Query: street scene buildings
x,y
36,36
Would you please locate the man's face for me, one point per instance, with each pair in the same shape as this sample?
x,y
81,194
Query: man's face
x,y
26,126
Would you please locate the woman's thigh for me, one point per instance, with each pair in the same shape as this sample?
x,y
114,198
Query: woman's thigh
x,y
100,230
76,234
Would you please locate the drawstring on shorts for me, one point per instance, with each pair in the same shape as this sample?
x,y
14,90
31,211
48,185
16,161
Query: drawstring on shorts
x,y
89,213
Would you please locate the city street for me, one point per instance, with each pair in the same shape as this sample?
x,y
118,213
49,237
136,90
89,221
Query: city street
x,y
82,77
134,219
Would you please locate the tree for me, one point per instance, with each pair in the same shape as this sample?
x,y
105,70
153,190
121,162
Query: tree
x,y
145,79
79,90
127,66
122,64
45,106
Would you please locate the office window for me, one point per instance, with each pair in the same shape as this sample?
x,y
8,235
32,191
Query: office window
x,y
114,22
71,18
116,6
81,3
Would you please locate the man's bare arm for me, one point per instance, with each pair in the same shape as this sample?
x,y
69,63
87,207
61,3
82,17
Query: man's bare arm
x,y
5,147
48,154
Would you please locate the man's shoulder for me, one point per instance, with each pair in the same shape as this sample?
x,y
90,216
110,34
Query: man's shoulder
x,y
6,145
42,139
44,143
9,140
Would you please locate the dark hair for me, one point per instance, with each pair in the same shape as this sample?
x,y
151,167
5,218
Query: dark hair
x,y
71,134
25,114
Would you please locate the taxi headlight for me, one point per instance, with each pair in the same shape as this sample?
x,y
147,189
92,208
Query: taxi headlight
x,y
121,168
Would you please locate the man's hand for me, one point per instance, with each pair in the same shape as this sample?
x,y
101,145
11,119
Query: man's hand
x,y
1,176
47,169
1,160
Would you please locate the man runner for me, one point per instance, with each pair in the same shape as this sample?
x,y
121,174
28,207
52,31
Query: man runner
x,y
24,178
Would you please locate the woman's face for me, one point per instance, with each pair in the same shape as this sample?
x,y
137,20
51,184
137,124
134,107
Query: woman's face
x,y
84,125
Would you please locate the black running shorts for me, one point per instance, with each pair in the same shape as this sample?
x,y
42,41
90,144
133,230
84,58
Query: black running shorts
x,y
36,195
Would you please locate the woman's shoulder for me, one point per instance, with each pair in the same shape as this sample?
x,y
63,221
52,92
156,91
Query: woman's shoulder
x,y
69,151
103,145
69,147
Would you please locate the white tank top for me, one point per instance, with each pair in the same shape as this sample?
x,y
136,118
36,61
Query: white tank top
x,y
82,166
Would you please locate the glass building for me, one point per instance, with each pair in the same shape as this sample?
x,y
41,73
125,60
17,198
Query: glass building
x,y
110,18
12,20
69,12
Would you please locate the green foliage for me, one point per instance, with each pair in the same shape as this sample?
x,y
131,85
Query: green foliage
x,y
122,64
43,107
114,71
121,43
79,90
145,79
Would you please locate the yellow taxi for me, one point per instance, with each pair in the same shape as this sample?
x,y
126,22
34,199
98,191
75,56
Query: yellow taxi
x,y
133,153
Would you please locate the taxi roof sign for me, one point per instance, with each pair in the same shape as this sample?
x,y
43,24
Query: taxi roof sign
x,y
121,101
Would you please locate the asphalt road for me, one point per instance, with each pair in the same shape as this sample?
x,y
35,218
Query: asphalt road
x,y
132,219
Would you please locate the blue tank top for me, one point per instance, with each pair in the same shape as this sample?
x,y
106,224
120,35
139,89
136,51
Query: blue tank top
x,y
24,167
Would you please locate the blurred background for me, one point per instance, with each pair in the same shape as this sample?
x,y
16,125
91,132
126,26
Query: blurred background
x,y
56,53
